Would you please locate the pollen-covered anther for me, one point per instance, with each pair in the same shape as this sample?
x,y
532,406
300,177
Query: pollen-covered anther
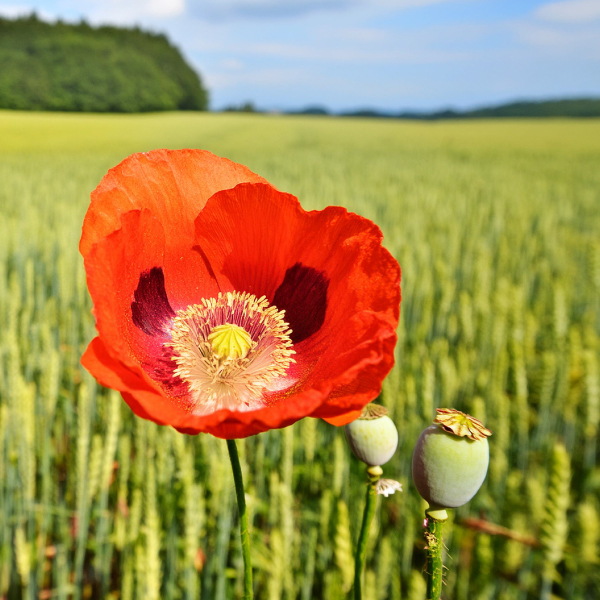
x,y
230,350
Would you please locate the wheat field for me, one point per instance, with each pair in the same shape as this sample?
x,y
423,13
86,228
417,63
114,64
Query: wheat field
x,y
496,225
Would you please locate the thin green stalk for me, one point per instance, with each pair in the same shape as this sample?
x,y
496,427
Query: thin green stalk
x,y
243,514
434,566
361,548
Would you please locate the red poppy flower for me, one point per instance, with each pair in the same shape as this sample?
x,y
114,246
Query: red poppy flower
x,y
223,307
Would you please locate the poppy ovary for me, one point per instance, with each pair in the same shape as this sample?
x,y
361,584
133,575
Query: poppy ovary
x,y
450,460
230,341
373,438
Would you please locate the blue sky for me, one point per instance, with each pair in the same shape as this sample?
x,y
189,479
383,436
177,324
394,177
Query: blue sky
x,y
347,54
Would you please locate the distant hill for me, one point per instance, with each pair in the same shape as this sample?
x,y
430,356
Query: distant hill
x,y
59,66
575,107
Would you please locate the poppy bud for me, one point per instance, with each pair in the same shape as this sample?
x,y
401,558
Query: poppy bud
x,y
373,437
450,459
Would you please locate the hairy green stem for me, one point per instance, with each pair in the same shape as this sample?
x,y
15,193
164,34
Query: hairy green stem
x,y
243,514
361,548
434,567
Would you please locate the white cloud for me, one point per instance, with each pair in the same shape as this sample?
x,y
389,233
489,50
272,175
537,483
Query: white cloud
x,y
232,9
117,11
570,11
164,8
401,4
360,35
340,55
12,11
257,78
346,46
231,64
561,42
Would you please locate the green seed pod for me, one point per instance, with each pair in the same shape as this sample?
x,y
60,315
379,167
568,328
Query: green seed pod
x,y
373,437
450,459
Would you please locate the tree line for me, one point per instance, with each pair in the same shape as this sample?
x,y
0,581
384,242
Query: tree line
x,y
77,67
568,107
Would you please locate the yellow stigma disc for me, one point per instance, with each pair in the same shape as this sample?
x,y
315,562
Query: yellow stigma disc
x,y
230,341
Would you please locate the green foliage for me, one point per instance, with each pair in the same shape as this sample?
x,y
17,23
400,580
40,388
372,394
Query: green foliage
x,y
81,68
496,226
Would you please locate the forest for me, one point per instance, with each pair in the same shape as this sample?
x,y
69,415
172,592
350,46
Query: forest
x,y
76,67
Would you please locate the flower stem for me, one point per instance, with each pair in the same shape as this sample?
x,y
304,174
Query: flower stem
x,y
243,515
361,548
434,567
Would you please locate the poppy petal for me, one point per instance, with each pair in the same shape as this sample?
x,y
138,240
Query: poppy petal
x,y
303,296
173,184
143,399
150,309
344,419
360,367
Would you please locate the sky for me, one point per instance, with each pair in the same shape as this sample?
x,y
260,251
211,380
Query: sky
x,y
352,54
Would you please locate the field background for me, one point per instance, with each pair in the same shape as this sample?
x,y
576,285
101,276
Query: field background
x,y
496,225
